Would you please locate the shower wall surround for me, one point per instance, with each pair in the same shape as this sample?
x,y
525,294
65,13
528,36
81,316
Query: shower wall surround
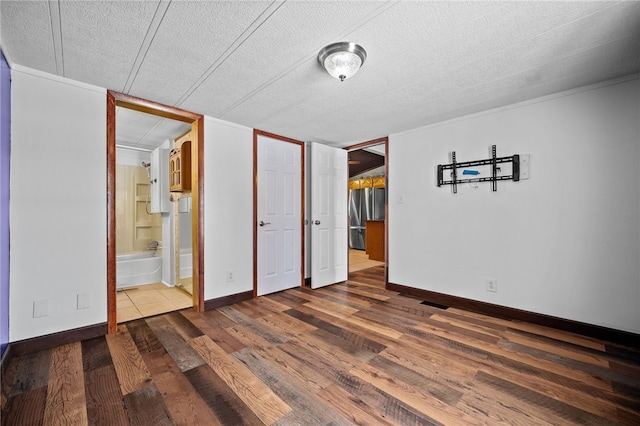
x,y
134,226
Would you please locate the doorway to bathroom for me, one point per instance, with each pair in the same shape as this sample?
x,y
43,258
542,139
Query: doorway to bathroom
x,y
154,220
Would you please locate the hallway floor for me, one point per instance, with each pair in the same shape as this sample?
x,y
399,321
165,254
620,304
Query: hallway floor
x,y
150,299
358,260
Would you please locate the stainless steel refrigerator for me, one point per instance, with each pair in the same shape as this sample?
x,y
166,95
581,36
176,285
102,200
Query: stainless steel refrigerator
x,y
364,204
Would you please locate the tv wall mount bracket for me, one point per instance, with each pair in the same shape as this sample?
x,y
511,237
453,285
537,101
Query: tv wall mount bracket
x,y
493,162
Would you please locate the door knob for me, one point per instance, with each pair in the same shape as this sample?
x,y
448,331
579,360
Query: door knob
x,y
263,223
316,222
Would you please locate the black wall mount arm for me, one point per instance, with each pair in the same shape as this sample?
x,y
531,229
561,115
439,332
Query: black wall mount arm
x,y
493,162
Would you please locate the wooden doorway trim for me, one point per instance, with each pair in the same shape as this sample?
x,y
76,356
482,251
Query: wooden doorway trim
x,y
197,184
379,141
362,145
257,133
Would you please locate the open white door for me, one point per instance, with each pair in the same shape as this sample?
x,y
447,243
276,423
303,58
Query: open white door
x,y
329,228
279,214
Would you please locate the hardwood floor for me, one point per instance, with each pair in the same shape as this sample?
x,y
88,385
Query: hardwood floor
x,y
352,353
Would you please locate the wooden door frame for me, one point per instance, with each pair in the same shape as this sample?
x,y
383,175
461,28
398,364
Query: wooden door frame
x,y
197,184
257,133
379,141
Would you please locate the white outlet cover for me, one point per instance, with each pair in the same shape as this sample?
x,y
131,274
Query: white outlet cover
x,y
83,301
41,308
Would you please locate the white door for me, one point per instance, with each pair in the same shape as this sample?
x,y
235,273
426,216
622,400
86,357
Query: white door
x,y
329,225
279,215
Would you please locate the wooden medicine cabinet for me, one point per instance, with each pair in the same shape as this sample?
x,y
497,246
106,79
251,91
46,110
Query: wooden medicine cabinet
x,y
180,168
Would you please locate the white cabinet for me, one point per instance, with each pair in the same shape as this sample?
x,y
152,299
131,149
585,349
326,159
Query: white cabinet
x,y
160,202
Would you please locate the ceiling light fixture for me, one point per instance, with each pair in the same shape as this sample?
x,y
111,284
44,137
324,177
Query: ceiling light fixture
x,y
342,60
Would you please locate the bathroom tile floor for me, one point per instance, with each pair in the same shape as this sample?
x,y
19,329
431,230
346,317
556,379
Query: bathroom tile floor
x,y
359,260
150,299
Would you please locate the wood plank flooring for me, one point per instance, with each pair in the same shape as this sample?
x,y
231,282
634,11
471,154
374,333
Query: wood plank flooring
x,y
352,353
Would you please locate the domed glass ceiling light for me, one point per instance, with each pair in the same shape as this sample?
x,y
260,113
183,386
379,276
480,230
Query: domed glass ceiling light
x,y
342,60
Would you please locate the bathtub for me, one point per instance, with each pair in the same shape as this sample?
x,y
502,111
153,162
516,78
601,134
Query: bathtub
x,y
138,268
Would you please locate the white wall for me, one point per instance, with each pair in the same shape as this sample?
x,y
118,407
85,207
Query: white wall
x,y
228,207
58,203
565,243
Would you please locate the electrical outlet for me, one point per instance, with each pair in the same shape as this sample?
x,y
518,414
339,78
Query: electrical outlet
x,y
492,285
83,301
41,308
230,276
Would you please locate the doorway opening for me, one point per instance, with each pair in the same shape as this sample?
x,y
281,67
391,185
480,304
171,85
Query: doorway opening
x,y
182,216
368,204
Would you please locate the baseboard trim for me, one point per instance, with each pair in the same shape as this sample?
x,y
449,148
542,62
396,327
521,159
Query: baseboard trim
x,y
57,339
227,300
590,330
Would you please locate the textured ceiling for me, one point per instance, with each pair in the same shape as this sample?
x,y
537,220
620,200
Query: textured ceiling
x,y
255,62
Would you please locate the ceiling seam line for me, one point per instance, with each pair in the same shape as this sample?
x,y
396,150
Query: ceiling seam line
x,y
573,21
481,85
386,6
498,54
263,86
522,71
154,25
56,34
158,122
238,42
444,94
370,17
